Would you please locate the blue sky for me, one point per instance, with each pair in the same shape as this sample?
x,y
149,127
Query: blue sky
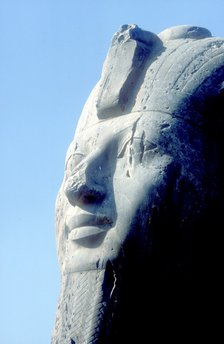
x,y
51,55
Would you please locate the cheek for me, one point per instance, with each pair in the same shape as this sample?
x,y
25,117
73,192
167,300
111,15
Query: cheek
x,y
61,232
137,195
133,196
138,187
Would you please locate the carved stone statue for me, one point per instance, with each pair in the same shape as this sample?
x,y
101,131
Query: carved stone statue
x,y
143,182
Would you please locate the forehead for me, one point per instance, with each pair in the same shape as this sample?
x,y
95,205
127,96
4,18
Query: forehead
x,y
99,133
134,123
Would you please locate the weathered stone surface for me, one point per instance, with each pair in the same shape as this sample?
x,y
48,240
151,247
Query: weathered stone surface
x,y
143,183
123,67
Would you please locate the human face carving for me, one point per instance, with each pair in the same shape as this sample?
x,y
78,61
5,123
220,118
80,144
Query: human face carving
x,y
113,171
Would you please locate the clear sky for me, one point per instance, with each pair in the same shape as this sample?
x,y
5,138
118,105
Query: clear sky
x,y
51,55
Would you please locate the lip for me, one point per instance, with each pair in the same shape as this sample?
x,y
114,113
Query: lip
x,y
85,232
86,225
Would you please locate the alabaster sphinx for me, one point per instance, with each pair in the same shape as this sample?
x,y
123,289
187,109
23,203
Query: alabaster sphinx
x,y
143,186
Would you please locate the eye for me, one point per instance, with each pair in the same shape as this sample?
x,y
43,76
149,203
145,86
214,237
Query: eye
x,y
141,145
136,145
141,150
73,161
123,148
149,146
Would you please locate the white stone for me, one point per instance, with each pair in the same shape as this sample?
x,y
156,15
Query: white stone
x,y
137,169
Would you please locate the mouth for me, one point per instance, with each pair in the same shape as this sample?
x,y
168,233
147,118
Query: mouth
x,y
85,232
88,225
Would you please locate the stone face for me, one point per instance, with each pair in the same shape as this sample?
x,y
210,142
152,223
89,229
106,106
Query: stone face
x,y
143,182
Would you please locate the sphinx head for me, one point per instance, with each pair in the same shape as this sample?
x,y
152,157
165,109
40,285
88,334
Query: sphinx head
x,y
143,182
141,163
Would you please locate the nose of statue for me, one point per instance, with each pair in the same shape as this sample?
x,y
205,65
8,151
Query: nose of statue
x,y
81,189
